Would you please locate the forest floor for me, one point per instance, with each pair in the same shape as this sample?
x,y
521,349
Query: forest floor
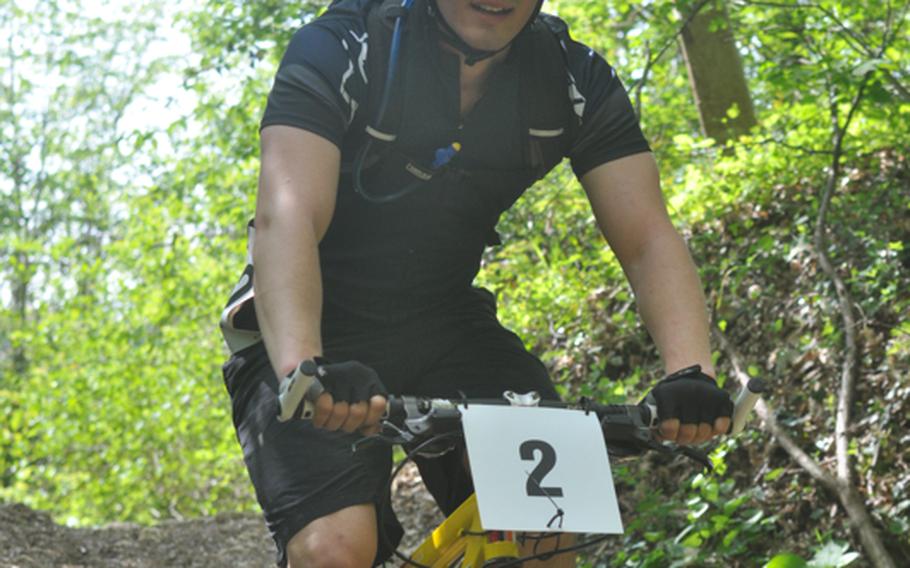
x,y
31,538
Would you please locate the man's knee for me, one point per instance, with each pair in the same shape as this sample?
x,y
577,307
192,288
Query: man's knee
x,y
344,539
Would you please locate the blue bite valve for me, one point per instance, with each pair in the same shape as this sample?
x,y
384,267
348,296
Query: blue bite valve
x,y
444,155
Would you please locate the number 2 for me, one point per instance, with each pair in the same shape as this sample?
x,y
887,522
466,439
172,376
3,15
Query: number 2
x,y
534,484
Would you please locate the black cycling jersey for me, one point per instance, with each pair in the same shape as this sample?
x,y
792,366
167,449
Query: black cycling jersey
x,y
387,263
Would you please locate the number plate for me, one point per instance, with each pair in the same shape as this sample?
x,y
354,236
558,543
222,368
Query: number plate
x,y
529,463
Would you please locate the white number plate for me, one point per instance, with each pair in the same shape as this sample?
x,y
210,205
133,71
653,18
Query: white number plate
x,y
529,463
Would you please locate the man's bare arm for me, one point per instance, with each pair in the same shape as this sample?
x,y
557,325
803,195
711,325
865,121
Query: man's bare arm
x,y
627,202
298,184
297,187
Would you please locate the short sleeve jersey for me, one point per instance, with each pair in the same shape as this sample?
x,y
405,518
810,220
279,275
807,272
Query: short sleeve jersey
x,y
385,263
321,84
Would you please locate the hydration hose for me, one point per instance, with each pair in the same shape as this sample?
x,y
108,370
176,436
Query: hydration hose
x,y
442,155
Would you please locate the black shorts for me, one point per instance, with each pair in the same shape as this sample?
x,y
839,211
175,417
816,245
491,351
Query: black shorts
x,y
301,473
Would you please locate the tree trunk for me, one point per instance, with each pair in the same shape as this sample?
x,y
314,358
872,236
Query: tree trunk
x,y
716,73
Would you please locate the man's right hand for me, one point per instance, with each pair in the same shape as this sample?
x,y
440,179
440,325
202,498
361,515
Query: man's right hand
x,y
354,398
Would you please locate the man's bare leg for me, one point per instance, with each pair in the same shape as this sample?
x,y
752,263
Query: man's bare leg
x,y
343,539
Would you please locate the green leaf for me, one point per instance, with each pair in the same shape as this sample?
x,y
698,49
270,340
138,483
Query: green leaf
x,y
786,560
774,474
867,66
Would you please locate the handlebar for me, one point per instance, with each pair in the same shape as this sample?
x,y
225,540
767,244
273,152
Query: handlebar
x,y
628,429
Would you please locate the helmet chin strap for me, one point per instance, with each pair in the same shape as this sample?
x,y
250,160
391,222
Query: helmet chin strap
x,y
472,55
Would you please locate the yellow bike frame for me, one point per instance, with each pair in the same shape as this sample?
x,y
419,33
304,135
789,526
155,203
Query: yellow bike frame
x,y
460,537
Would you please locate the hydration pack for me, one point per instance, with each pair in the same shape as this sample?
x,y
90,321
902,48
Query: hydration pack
x,y
546,105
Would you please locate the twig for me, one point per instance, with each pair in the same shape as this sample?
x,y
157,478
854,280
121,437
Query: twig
x,y
803,149
644,79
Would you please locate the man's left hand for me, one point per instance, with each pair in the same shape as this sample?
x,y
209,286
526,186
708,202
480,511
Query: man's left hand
x,y
691,407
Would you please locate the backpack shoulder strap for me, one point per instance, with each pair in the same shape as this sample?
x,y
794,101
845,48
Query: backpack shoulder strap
x,y
379,19
380,26
547,113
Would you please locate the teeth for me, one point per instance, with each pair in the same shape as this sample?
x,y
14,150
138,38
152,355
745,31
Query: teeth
x,y
490,9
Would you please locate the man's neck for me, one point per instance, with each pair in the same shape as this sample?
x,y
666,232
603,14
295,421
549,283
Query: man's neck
x,y
473,78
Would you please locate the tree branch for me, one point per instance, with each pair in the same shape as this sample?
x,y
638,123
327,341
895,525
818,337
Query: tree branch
x,y
846,492
660,53
770,420
855,40
845,301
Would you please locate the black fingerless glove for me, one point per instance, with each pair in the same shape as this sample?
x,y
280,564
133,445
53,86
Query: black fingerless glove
x,y
691,396
350,381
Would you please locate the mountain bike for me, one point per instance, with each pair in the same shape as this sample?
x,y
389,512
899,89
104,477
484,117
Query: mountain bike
x,y
431,427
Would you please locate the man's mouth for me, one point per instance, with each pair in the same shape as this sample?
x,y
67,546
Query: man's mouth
x,y
490,8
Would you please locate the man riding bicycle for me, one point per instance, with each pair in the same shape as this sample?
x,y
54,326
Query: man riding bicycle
x,y
377,195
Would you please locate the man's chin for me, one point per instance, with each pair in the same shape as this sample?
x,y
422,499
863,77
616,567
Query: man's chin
x,y
485,43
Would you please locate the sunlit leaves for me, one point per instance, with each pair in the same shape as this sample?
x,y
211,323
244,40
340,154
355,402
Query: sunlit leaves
x,y
124,245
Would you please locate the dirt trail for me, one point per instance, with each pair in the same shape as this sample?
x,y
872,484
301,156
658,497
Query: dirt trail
x,y
30,538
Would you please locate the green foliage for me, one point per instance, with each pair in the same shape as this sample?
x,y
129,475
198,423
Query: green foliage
x,y
830,555
708,520
118,247
833,555
750,217
110,370
566,312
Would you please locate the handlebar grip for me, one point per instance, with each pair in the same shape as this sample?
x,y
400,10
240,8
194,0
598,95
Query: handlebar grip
x,y
745,402
297,394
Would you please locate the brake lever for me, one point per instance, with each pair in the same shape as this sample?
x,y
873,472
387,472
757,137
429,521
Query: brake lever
x,y
388,434
696,455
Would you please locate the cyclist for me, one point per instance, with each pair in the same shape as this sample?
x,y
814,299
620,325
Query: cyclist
x,y
369,230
